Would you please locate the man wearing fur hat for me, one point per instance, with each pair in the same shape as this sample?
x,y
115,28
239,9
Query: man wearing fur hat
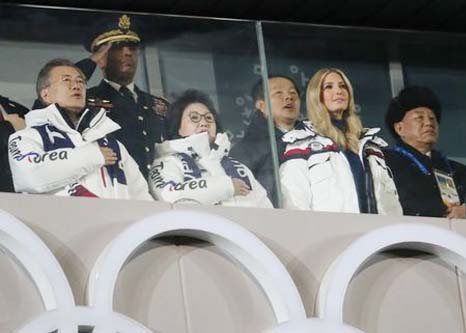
x,y
428,183
140,114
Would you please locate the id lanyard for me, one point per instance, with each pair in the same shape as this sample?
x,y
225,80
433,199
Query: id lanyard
x,y
418,163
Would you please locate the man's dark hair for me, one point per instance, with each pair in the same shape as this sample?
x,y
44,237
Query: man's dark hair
x,y
43,78
176,109
257,91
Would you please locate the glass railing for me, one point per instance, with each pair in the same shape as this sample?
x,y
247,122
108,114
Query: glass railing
x,y
228,63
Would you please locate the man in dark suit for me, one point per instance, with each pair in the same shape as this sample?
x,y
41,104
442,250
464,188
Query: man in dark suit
x,y
428,183
255,149
140,114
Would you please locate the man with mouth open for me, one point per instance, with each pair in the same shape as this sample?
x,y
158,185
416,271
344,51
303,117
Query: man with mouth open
x,y
254,150
428,183
140,114
66,149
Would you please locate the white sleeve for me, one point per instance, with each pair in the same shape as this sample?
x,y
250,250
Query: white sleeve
x,y
294,181
166,182
385,189
37,171
137,184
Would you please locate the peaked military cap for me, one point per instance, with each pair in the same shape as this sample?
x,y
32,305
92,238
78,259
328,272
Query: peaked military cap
x,y
116,29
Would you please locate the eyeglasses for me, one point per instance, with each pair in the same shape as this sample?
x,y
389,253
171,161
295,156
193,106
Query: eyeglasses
x,y
69,81
196,117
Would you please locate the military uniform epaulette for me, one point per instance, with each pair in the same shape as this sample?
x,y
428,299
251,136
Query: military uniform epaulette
x,y
159,105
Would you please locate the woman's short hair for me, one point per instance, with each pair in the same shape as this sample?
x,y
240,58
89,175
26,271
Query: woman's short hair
x,y
176,110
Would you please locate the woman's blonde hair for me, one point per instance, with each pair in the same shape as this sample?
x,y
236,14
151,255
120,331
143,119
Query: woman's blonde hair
x,y
319,115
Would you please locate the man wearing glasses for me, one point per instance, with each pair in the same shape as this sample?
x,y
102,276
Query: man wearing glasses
x,y
65,148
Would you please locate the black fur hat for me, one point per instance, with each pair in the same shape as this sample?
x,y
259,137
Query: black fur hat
x,y
408,99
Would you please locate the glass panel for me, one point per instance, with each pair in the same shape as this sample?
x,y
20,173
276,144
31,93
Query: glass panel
x,y
442,68
299,51
378,64
219,58
215,57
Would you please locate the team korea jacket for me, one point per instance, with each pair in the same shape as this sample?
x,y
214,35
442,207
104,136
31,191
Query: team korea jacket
x,y
190,170
316,174
50,156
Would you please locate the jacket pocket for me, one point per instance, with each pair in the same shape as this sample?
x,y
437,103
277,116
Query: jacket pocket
x,y
319,167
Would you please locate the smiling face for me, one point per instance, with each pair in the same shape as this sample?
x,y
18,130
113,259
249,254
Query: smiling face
x,y
334,95
285,102
67,88
122,62
197,119
419,129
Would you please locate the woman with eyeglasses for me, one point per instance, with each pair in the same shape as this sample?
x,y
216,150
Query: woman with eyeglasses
x,y
193,164
331,162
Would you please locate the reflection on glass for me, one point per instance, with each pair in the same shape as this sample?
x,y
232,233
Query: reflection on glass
x,y
136,65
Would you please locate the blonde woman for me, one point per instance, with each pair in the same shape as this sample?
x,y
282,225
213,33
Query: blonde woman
x,y
332,163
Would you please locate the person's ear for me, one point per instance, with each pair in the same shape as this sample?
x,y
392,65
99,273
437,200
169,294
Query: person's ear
x,y
261,106
398,127
45,95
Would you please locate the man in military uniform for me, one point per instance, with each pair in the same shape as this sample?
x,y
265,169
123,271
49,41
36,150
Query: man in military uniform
x,y
428,183
140,114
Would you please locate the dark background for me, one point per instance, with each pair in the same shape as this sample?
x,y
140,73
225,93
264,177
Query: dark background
x,y
434,58
435,15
